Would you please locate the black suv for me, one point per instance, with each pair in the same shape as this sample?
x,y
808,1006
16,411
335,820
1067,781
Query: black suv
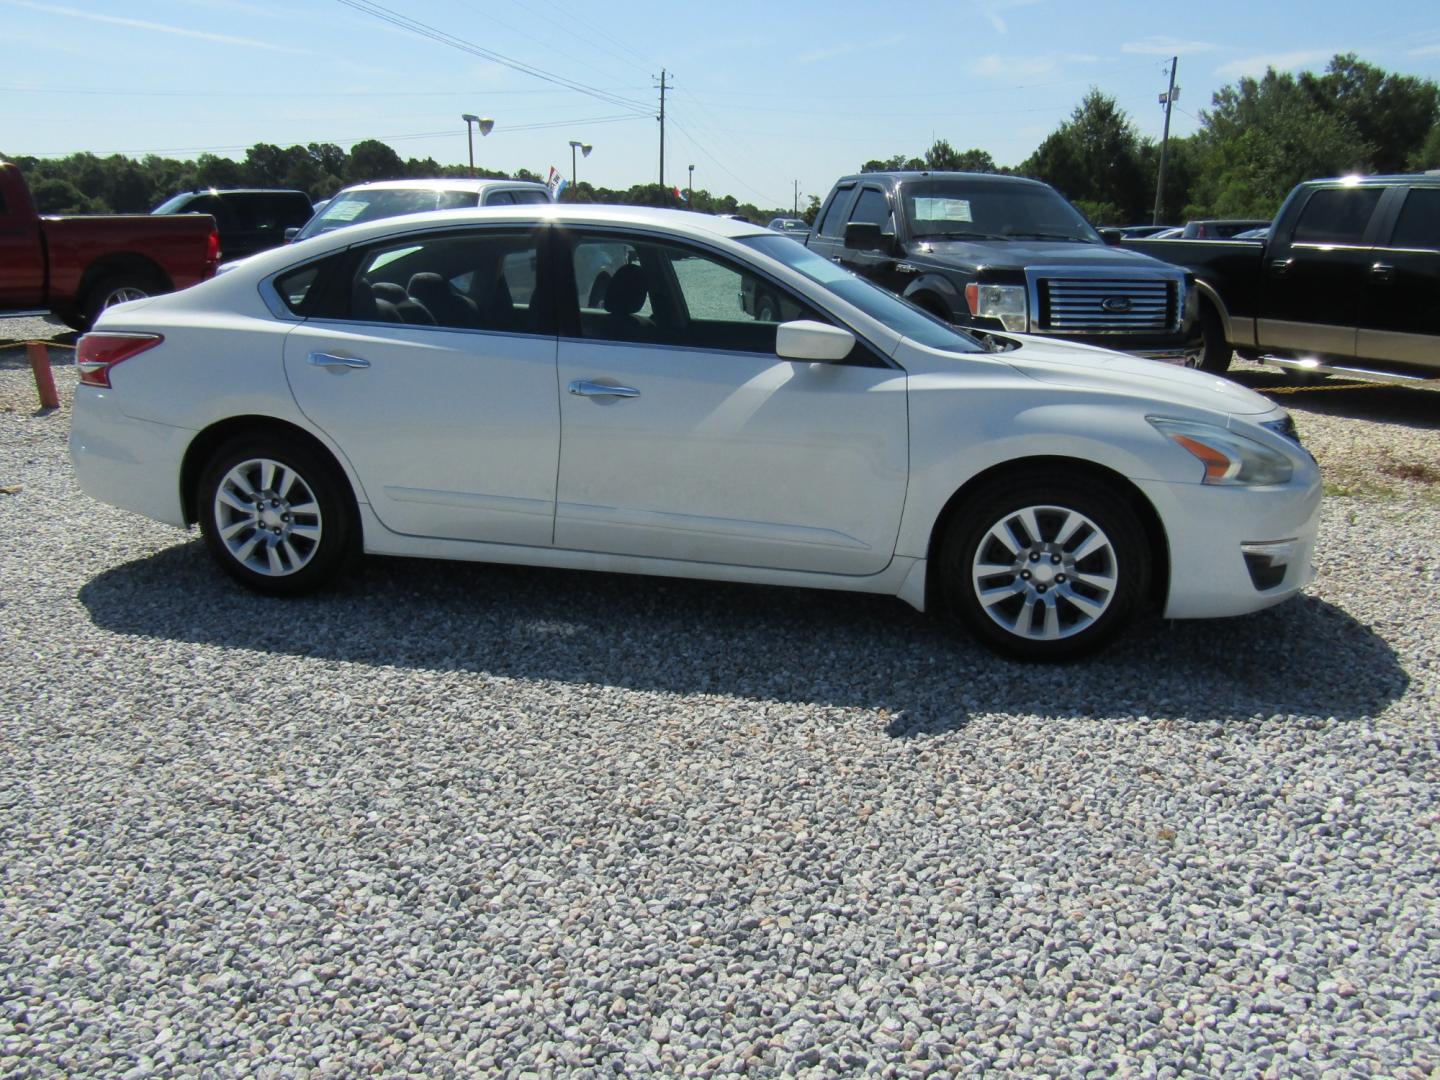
x,y
248,219
1003,253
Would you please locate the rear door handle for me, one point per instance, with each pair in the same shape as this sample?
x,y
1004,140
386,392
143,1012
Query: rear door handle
x,y
330,360
586,388
1382,271
1281,266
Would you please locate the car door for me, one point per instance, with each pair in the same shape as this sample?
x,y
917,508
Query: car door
x,y
828,237
684,435
434,372
22,255
1313,279
1400,314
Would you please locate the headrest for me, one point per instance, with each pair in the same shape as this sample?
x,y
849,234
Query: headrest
x,y
429,286
626,294
388,290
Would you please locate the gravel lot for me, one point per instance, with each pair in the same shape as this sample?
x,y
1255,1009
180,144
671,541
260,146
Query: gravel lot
x,y
455,819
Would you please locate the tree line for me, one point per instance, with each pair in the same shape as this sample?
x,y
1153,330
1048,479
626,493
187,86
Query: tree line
x,y
1259,138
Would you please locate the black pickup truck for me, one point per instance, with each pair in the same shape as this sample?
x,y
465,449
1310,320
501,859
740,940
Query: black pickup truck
x,y
1347,282
1002,253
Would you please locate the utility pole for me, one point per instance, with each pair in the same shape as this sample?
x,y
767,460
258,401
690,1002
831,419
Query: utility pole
x,y
661,118
797,198
1168,100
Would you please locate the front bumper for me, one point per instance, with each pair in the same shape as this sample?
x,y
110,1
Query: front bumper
x,y
1235,550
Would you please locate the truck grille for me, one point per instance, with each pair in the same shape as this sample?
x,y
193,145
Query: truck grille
x,y
1108,305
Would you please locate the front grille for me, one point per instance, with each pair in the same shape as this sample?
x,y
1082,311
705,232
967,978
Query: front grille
x,y
1078,305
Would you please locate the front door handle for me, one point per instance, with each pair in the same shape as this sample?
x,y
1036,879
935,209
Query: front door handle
x,y
586,388
1281,266
1382,271
330,360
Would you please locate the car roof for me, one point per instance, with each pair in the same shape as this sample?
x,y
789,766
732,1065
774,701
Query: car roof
x,y
463,183
681,223
903,175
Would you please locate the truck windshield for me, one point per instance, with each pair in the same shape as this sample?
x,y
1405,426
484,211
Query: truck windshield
x,y
354,207
958,209
900,315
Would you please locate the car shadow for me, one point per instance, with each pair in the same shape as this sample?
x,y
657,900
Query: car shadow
x,y
801,645
1409,406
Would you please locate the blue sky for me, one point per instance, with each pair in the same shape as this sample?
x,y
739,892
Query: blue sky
x,y
765,94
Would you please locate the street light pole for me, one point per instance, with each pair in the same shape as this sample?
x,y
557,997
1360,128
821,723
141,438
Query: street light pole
x,y
584,148
485,124
690,189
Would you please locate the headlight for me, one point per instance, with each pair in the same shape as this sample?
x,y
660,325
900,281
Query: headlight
x,y
1004,302
1228,458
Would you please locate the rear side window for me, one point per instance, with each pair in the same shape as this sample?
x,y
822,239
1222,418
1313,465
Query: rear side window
x,y
525,198
1419,222
1337,215
479,280
832,221
499,198
298,286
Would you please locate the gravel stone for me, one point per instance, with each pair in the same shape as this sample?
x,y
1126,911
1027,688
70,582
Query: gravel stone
x,y
457,819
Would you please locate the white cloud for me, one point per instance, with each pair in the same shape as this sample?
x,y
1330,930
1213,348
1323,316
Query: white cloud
x,y
159,28
1256,65
1012,67
834,52
1166,46
1425,50
990,11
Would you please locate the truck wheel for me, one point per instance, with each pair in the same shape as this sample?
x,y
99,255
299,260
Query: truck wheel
x,y
1215,353
116,289
1044,568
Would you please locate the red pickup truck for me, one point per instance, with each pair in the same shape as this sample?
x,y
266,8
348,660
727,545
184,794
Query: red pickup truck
x,y
78,266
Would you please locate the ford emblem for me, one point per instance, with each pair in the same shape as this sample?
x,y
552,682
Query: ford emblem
x,y
1116,305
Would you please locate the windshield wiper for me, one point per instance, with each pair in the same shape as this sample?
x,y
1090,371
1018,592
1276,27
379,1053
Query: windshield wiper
x,y
1049,236
960,236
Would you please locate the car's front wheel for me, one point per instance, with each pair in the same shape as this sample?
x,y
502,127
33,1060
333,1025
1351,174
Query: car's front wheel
x,y
1044,569
275,514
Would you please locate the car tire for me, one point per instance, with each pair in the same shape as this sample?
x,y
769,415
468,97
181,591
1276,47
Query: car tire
x,y
116,289
1044,568
1215,352
276,514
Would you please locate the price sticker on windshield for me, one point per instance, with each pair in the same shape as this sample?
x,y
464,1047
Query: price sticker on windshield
x,y
930,208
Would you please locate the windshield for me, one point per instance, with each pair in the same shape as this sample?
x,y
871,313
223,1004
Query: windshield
x,y
353,207
900,315
960,209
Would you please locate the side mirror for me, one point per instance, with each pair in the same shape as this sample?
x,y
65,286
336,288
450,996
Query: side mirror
x,y
866,236
806,339
1112,236
292,232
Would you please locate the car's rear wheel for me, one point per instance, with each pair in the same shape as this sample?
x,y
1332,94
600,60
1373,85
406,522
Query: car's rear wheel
x,y
1044,569
275,514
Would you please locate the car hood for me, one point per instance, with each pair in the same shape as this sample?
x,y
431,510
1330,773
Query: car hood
x,y
1018,254
1069,364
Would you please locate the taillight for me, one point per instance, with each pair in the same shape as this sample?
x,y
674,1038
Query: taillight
x,y
212,253
96,354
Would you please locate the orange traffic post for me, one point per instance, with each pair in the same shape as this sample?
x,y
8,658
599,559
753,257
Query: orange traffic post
x,y
44,379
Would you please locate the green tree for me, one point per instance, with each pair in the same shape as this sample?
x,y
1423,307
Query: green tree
x,y
1095,159
1391,113
1428,156
371,159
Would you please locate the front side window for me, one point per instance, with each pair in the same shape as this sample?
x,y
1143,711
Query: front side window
x,y
1337,216
873,208
1419,222
669,294
481,280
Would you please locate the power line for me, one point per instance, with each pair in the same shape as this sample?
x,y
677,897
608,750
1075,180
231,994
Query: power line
x,y
290,94
723,168
425,30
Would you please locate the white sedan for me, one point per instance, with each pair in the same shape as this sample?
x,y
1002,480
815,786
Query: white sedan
x,y
584,387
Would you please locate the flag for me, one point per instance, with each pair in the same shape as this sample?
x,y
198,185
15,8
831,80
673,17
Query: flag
x,y
681,195
556,183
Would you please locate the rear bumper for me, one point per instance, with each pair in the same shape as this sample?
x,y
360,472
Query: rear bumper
x,y
129,463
